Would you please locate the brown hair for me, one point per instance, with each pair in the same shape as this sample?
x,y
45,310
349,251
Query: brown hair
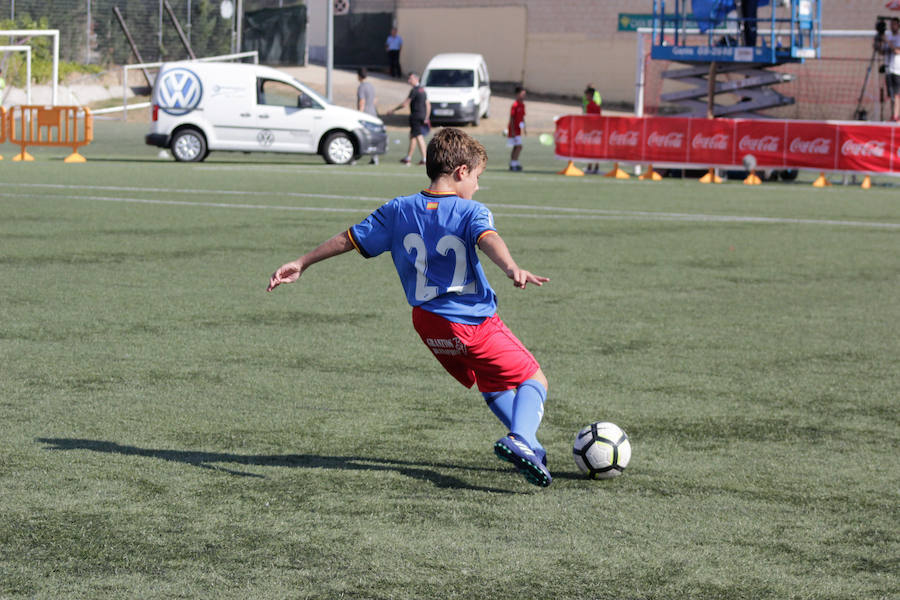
x,y
451,148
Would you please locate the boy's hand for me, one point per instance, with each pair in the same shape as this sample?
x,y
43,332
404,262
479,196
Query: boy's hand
x,y
286,273
521,278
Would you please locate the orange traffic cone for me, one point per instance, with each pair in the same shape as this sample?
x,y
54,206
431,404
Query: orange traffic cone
x,y
867,182
571,170
650,174
821,181
711,177
618,173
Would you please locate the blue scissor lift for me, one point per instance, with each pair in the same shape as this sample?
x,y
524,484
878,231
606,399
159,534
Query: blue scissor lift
x,y
713,39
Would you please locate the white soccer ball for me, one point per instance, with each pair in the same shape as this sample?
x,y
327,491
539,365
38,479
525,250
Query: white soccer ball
x,y
602,450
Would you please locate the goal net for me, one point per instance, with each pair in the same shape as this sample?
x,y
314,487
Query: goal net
x,y
846,83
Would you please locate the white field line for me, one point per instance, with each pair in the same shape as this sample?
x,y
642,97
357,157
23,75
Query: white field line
x,y
539,212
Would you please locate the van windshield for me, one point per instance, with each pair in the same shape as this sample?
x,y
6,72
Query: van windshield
x,y
450,78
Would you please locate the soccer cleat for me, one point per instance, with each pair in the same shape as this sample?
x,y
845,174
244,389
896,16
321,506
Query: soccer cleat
x,y
405,161
516,451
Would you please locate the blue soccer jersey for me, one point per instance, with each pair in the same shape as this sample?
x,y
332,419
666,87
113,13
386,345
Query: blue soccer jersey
x,y
432,239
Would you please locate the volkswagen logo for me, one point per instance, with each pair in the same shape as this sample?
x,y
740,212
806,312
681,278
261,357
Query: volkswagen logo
x,y
179,91
265,138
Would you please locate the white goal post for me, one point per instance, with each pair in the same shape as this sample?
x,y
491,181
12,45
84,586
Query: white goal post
x,y
254,54
53,33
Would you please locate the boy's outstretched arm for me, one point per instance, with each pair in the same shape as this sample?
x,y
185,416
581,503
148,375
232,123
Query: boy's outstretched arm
x,y
496,249
291,272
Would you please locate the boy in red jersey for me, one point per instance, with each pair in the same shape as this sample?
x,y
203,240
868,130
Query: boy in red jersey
x,y
516,128
592,107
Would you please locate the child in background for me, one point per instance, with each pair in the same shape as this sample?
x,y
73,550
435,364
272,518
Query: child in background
x,y
591,101
433,237
516,129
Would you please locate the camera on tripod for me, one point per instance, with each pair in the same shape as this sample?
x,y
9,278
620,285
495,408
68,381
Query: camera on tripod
x,y
881,25
881,55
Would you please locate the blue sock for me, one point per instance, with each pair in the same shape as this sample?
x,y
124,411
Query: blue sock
x,y
520,410
528,410
501,404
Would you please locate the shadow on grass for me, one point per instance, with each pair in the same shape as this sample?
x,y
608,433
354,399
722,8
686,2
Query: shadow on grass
x,y
208,460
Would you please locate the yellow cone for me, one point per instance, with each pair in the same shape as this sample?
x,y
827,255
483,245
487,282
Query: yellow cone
x,y
821,181
867,183
752,179
711,177
618,173
571,170
650,174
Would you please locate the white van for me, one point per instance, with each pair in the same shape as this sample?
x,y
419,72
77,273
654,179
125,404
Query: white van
x,y
197,107
458,87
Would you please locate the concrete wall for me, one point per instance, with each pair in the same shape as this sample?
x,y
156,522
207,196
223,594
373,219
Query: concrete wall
x,y
498,33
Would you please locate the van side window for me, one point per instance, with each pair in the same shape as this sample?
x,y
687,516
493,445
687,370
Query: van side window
x,y
277,93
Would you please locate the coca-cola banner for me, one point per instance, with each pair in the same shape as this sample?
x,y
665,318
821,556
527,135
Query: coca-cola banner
x,y
626,138
666,139
811,145
589,138
762,139
866,148
778,144
711,142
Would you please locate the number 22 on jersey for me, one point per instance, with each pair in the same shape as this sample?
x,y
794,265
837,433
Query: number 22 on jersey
x,y
413,243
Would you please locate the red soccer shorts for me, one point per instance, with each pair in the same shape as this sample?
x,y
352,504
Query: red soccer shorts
x,y
487,354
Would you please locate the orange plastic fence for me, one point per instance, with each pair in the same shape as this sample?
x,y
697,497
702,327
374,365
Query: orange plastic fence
x,y
64,126
2,127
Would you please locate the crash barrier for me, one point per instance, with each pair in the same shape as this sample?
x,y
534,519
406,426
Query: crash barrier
x,y
684,142
63,126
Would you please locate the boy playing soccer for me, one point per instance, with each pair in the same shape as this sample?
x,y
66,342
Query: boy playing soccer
x,y
432,237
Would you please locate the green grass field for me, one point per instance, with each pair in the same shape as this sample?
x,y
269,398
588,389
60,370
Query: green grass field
x,y
170,430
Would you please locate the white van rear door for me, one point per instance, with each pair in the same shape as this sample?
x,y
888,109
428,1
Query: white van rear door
x,y
287,119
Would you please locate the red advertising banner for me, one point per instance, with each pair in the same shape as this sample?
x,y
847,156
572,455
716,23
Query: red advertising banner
x,y
866,148
665,140
626,138
775,144
811,145
711,142
763,139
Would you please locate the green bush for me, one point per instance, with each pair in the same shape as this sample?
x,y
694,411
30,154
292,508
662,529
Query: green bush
x,y
13,63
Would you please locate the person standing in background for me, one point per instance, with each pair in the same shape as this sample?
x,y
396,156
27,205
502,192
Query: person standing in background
x,y
587,98
393,45
516,129
890,45
592,108
419,117
365,99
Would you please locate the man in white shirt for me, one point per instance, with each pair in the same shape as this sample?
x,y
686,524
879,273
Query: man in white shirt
x,y
891,48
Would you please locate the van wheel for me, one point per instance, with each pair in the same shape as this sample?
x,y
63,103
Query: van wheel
x,y
477,118
338,149
189,145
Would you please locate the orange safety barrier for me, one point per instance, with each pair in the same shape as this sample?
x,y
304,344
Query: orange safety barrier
x,y
2,127
64,126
